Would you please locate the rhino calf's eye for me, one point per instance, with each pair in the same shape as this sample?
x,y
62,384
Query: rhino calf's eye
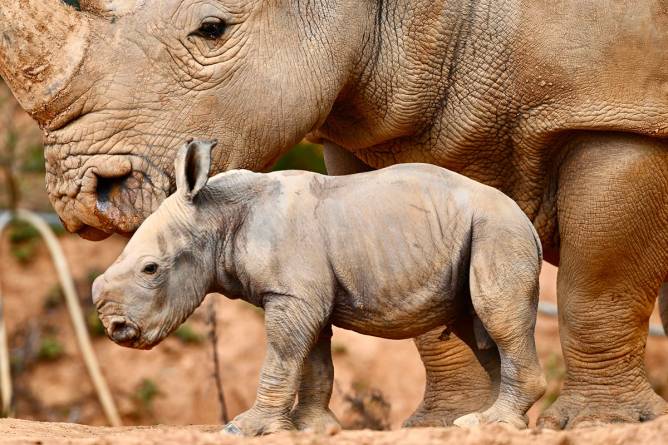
x,y
150,269
211,28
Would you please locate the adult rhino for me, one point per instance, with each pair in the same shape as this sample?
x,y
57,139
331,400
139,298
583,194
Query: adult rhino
x,y
562,105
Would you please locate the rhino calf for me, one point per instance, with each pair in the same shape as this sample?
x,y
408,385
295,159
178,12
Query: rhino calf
x,y
392,253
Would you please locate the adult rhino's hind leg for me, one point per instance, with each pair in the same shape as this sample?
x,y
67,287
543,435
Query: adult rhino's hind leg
x,y
460,377
505,264
613,226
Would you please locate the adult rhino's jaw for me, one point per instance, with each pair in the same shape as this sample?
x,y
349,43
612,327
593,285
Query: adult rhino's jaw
x,y
98,195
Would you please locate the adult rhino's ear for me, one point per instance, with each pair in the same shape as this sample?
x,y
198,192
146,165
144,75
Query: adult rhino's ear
x,y
192,166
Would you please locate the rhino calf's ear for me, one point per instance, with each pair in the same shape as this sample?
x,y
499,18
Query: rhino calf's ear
x,y
192,167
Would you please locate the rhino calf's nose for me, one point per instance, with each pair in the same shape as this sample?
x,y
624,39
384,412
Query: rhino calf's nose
x,y
98,286
121,332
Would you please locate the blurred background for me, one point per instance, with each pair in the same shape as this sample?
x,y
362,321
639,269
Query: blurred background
x,y
378,382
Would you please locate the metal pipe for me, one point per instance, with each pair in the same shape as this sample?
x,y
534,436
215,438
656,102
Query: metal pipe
x,y
5,370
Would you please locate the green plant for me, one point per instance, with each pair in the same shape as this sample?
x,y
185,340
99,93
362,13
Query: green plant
x,y
58,230
21,232
34,160
23,253
555,372
23,241
54,298
74,3
92,275
188,335
95,326
339,349
145,394
50,349
303,156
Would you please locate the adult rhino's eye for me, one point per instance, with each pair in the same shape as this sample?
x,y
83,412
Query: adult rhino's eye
x,y
150,269
211,28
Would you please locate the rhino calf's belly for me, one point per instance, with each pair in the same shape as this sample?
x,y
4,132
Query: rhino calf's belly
x,y
394,317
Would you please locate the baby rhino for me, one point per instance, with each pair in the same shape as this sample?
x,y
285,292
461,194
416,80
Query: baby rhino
x,y
392,253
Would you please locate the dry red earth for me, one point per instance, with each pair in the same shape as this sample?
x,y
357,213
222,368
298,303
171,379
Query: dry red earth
x,y
24,432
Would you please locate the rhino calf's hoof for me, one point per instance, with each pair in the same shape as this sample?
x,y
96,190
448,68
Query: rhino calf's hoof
x,y
232,430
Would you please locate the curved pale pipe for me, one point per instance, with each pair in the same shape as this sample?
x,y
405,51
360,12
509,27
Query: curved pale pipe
x,y
42,45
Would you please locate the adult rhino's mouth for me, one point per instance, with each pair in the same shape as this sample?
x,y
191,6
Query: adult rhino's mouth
x,y
96,196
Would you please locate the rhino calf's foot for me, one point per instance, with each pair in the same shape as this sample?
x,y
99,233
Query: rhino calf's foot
x,y
256,422
315,420
493,415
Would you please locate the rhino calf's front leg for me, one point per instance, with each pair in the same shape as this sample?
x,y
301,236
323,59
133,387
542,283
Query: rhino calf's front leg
x,y
292,330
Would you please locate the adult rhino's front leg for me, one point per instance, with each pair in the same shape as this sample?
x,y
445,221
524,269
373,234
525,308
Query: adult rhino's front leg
x,y
613,225
460,377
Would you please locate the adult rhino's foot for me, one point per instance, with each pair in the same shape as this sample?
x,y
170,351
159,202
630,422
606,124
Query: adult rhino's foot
x,y
580,409
461,378
255,422
315,419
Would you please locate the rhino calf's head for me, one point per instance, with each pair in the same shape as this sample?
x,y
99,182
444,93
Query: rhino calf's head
x,y
167,267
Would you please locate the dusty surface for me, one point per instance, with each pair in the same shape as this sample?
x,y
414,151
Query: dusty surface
x,y
23,432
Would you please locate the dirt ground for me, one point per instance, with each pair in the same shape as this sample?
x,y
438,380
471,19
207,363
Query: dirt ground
x,y
23,432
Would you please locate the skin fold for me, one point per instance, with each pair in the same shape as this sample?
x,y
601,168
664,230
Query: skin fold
x,y
537,98
449,246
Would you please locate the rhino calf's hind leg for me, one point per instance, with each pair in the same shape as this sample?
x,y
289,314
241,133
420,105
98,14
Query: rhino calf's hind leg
x,y
504,294
312,411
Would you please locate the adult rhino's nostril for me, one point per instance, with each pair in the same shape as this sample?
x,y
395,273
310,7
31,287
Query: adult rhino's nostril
x,y
108,187
123,332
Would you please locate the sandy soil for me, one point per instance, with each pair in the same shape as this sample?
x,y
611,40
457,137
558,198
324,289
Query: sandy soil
x,y
24,432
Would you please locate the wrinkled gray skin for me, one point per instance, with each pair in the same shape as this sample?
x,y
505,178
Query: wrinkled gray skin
x,y
560,104
293,243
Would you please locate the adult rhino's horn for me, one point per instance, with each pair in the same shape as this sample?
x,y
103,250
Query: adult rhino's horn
x,y
42,45
110,8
